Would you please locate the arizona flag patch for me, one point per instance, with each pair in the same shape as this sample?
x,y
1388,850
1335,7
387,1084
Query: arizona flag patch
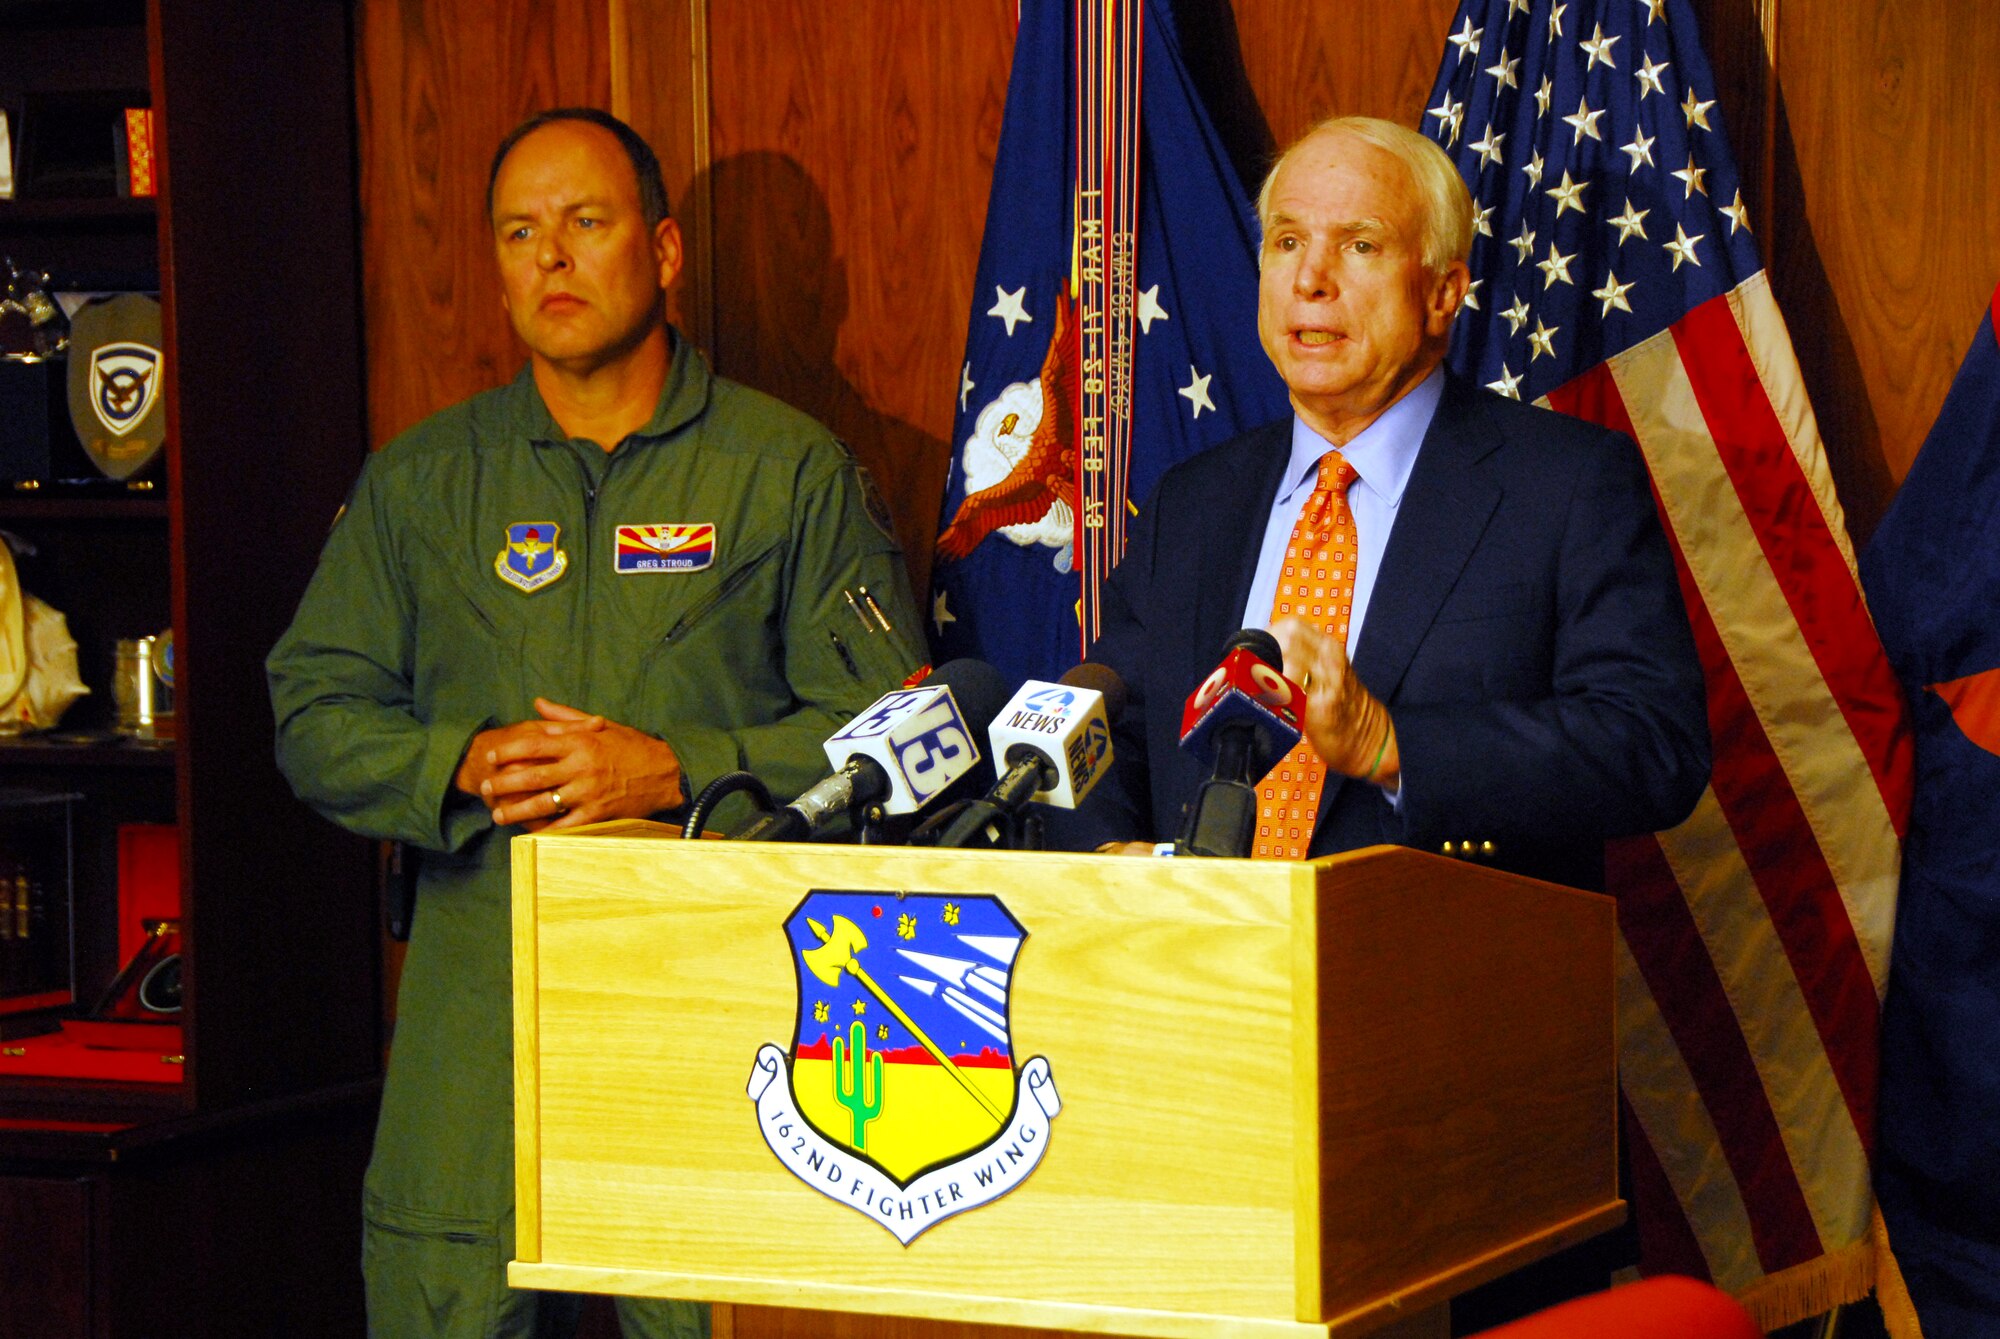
x,y
665,548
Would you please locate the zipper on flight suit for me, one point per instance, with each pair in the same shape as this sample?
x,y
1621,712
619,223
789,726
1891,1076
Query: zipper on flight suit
x,y
727,587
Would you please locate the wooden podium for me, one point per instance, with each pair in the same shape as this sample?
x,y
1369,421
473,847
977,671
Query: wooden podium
x,y
1295,1099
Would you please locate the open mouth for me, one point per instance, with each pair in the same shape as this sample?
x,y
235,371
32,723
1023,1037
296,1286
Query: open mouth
x,y
1314,339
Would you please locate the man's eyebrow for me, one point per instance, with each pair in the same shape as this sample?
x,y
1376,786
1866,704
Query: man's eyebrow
x,y
568,207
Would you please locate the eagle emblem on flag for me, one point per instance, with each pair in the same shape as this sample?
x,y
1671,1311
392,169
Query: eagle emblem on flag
x,y
1020,461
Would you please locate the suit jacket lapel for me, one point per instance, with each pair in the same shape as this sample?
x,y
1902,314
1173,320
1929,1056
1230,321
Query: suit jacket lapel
x,y
1238,517
1445,508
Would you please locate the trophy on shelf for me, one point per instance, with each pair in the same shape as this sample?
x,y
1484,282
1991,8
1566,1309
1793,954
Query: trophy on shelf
x,y
143,686
37,444
32,326
116,374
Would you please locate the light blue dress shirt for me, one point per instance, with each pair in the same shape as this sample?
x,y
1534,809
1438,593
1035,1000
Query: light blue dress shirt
x,y
1383,454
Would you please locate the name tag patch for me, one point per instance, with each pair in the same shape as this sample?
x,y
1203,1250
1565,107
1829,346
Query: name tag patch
x,y
665,548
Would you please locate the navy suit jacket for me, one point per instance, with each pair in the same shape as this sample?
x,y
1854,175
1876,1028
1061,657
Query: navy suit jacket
x,y
1526,632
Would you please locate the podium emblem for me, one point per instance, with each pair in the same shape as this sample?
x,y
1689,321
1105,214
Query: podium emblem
x,y
900,1096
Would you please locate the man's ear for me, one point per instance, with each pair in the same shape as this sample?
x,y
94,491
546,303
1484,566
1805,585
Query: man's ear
x,y
1447,296
667,249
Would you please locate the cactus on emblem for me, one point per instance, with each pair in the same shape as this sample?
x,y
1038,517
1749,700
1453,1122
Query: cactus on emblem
x,y
858,1089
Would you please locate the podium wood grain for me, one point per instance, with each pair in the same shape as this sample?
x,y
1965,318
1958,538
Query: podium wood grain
x,y
1297,1099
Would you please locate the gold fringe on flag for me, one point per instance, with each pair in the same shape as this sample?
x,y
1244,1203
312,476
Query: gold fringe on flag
x,y
1813,1288
1899,1313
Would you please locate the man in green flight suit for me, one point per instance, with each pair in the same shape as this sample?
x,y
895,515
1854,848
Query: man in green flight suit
x,y
578,597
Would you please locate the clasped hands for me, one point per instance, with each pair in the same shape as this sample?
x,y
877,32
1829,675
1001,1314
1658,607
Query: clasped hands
x,y
1349,727
566,768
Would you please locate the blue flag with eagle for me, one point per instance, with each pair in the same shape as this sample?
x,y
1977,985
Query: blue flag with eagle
x,y
1933,576
1113,330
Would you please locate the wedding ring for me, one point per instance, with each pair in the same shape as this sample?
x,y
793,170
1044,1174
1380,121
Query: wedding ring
x,y
556,802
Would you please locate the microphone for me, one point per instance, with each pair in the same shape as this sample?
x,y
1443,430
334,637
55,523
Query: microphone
x,y
1240,722
1053,741
900,753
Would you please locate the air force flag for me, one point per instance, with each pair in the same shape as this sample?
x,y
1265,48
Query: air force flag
x,y
1113,331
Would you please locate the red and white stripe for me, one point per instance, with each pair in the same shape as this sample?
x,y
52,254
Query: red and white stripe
x,y
1755,936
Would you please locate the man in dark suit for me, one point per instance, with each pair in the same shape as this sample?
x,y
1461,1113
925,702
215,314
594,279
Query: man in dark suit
x,y
1522,673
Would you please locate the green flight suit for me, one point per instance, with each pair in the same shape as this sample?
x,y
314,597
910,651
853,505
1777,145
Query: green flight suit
x,y
409,640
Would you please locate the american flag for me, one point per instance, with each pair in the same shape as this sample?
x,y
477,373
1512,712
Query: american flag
x,y
1616,277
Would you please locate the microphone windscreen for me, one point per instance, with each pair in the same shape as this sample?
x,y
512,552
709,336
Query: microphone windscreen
x,y
1244,691
977,688
1099,679
1258,643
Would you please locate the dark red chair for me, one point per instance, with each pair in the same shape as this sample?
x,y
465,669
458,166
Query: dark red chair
x,y
1662,1308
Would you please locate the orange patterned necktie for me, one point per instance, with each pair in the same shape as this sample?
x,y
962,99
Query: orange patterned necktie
x,y
1317,585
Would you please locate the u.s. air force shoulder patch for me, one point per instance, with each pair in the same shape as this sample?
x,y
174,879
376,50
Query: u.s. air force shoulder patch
x,y
875,504
532,557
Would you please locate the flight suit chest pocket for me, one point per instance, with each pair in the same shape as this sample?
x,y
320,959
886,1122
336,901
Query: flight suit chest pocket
x,y
745,590
462,620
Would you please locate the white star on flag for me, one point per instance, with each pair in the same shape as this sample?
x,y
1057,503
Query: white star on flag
x,y
1599,48
1682,247
1196,391
1543,342
1584,122
1640,149
1508,385
1010,307
1524,245
1739,217
1554,267
1648,76
965,385
1612,294
1629,222
940,615
1568,196
1696,111
1150,310
1692,175
1450,115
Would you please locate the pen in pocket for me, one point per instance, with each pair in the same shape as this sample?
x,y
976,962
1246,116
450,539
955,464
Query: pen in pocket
x,y
866,626
875,609
846,656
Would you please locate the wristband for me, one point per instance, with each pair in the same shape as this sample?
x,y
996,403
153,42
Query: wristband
x,y
1380,754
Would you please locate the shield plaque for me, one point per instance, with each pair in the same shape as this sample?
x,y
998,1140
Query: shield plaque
x,y
116,375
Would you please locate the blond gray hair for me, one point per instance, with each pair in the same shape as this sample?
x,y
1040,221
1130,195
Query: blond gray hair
x,y
1447,205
